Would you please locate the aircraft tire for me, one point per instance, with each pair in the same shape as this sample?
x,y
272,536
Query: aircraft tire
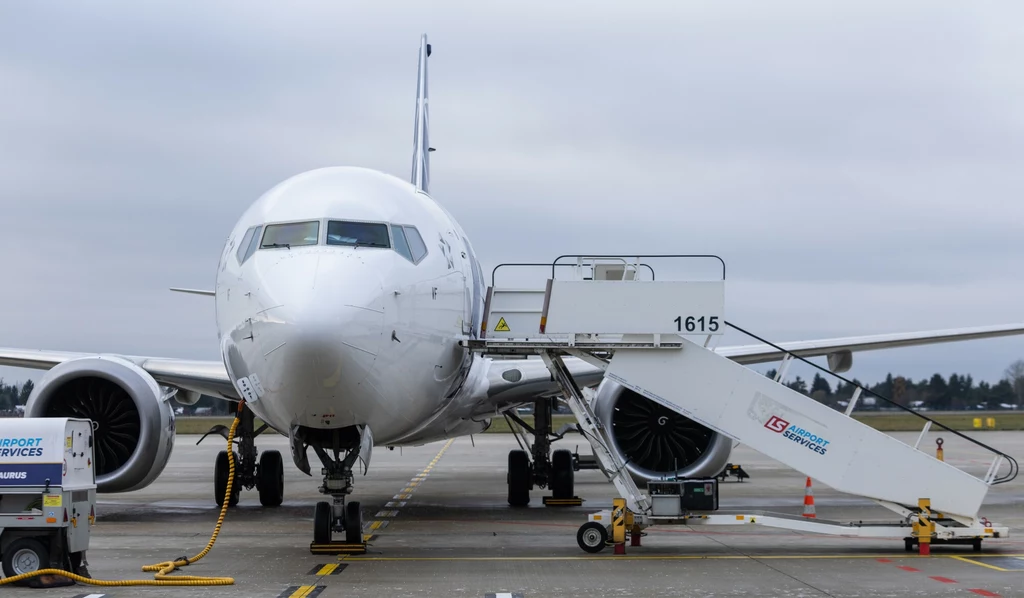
x,y
322,517
220,480
270,482
353,523
562,475
518,478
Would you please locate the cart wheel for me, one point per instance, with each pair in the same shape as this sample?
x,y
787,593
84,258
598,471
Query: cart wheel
x,y
977,544
25,555
908,544
592,537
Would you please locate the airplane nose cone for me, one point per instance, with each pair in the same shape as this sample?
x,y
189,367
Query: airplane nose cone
x,y
322,325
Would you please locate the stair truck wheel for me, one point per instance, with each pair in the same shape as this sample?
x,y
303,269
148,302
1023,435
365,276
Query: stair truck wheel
x,y
220,479
518,478
353,523
562,474
592,537
270,482
322,523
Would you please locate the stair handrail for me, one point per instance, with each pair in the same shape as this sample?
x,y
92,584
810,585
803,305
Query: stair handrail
x,y
637,256
545,265
1014,467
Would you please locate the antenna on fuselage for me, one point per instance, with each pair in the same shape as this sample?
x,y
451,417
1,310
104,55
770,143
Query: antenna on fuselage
x,y
420,142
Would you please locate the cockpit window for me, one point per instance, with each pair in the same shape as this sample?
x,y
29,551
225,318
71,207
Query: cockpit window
x,y
291,234
244,245
408,242
249,243
401,245
416,245
362,234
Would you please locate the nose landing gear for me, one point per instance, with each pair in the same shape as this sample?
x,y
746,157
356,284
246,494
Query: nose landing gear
x,y
337,515
325,522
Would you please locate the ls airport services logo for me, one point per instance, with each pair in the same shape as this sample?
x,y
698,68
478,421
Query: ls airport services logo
x,y
803,437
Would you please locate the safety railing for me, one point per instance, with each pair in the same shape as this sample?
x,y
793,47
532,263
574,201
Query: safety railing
x,y
547,265
583,258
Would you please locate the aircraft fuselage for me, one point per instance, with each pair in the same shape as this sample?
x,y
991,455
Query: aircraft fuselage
x,y
328,329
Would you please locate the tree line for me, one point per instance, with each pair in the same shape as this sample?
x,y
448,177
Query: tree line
x,y
12,395
956,393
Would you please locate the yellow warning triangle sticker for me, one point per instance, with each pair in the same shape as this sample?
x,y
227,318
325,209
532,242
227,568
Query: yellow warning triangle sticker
x,y
502,326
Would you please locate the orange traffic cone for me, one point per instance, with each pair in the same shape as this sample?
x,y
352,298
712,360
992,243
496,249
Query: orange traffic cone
x,y
809,500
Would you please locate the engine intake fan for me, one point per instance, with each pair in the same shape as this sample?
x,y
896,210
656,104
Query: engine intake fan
x,y
655,441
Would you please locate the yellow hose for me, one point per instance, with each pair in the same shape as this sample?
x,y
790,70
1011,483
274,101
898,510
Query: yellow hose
x,y
162,576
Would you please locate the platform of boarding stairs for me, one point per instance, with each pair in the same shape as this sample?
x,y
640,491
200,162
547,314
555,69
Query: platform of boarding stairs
x,y
655,337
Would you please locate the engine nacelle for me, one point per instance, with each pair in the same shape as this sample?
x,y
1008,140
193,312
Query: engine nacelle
x,y
656,442
132,417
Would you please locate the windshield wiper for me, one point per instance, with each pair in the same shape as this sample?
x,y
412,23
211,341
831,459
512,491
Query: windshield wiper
x,y
285,245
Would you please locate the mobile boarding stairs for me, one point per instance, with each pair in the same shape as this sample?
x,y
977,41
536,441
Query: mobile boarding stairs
x,y
653,337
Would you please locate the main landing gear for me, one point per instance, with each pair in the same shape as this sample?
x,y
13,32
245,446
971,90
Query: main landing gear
x,y
266,474
337,516
556,472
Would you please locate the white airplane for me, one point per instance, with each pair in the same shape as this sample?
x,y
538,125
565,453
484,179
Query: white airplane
x,y
341,297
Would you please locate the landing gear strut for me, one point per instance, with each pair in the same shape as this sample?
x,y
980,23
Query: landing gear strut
x,y
337,516
556,472
266,474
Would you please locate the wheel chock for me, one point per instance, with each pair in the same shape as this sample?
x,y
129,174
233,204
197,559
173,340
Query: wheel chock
x,y
733,470
337,548
551,501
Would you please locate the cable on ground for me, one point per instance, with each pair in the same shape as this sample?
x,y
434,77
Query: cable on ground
x,y
162,571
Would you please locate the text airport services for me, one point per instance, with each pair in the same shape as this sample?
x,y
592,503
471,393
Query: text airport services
x,y
21,447
808,439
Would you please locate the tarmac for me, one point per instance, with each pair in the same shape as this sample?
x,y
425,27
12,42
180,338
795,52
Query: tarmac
x,y
439,525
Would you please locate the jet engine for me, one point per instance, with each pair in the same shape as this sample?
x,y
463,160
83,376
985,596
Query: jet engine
x,y
655,441
132,416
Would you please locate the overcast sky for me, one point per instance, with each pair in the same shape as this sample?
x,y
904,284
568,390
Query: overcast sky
x,y
858,165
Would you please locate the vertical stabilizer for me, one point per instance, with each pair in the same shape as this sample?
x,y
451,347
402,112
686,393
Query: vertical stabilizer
x,y
420,140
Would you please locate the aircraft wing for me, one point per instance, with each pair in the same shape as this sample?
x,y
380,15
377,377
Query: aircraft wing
x,y
750,354
205,377
534,380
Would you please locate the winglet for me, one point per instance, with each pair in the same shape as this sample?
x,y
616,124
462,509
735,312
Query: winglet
x,y
420,143
195,291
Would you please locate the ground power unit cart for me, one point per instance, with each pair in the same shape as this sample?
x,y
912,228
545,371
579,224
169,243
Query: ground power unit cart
x,y
47,493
